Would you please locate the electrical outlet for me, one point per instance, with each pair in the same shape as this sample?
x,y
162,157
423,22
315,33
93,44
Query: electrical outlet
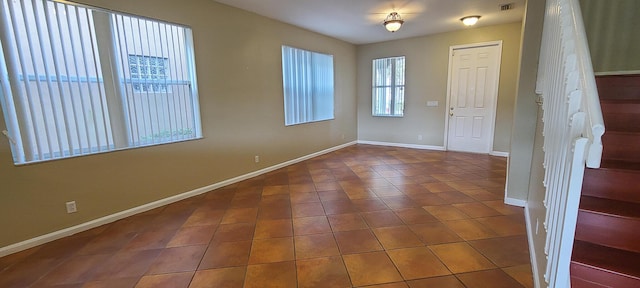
x,y
71,207
342,136
256,159
420,137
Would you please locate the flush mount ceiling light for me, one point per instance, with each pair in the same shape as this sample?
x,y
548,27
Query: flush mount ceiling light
x,y
470,20
393,22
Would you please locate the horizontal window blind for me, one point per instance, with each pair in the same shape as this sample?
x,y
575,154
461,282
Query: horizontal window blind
x,y
68,83
388,86
308,86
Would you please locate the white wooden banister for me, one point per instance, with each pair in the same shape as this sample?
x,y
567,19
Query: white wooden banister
x,y
573,128
594,128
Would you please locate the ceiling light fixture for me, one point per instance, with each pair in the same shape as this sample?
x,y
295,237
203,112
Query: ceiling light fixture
x,y
470,20
393,22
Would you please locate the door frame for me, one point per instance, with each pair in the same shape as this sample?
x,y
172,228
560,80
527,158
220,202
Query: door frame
x,y
494,105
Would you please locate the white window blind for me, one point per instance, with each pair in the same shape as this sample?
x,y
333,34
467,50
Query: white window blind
x,y
388,87
70,86
308,86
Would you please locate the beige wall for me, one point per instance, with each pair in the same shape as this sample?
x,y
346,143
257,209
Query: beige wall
x,y
427,61
240,86
535,204
526,171
612,32
524,122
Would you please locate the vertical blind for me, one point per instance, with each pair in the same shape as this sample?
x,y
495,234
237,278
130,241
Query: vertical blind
x,y
70,86
388,86
308,86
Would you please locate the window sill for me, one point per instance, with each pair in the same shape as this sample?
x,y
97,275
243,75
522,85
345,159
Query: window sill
x,y
389,116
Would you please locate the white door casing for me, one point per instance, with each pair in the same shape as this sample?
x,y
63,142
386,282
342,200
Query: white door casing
x,y
474,72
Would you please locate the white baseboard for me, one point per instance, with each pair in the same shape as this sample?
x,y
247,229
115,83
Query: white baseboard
x,y
402,145
515,202
423,147
17,247
499,154
532,249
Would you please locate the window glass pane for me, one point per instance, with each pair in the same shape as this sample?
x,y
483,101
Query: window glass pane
x,y
148,69
388,86
398,100
77,93
307,79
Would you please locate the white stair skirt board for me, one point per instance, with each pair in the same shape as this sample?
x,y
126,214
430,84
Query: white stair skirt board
x,y
17,247
402,145
515,202
499,154
534,261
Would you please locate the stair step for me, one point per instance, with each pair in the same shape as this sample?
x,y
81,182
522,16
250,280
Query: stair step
x,y
599,219
581,283
618,86
617,208
614,184
621,115
620,165
621,146
606,266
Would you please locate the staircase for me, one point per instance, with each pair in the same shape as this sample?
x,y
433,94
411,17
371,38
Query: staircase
x,y
606,251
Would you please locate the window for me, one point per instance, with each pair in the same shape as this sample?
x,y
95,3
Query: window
x,y
307,79
148,73
388,87
78,80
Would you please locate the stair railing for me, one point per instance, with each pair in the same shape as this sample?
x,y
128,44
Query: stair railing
x,y
573,128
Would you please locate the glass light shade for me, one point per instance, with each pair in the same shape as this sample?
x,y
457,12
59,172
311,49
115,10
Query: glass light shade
x,y
470,20
393,22
393,26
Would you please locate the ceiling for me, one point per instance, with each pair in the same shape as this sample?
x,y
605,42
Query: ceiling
x,y
360,21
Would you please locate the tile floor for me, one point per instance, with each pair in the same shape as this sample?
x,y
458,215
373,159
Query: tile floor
x,y
361,216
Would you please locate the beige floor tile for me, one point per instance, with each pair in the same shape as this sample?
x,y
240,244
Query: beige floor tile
x,y
417,262
271,250
371,268
461,257
322,272
232,277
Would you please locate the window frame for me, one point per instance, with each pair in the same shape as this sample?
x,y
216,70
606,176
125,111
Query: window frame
x,y
392,87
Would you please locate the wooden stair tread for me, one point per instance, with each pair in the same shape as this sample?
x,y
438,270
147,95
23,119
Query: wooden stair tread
x,y
613,260
623,106
621,114
622,101
610,207
613,183
618,86
612,164
622,133
621,145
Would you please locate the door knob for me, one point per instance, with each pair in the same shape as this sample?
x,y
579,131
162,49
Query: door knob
x,y
451,112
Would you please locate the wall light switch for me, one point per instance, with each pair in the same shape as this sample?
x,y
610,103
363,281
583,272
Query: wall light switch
x,y
432,103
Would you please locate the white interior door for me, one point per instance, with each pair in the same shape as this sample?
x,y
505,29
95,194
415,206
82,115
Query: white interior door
x,y
473,89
